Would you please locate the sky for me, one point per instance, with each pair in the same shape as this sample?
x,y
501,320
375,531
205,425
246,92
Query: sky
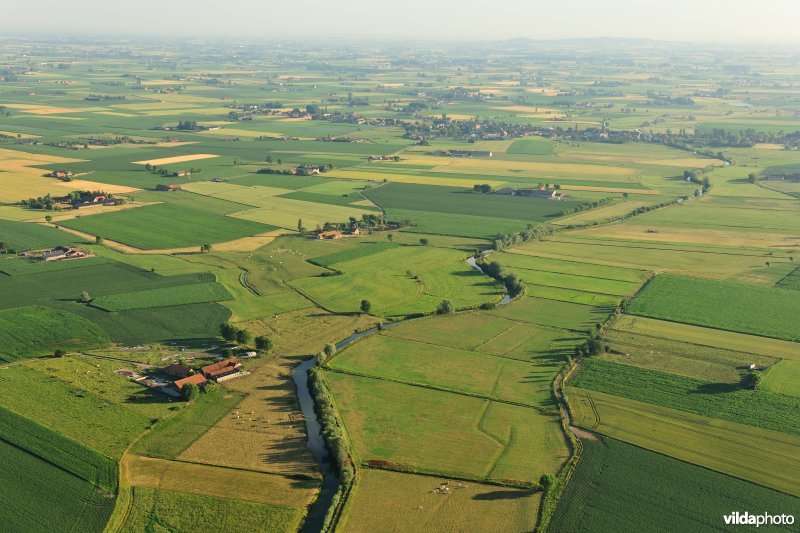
x,y
667,20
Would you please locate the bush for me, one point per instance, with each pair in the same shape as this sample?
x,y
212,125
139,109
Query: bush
x,y
190,392
445,308
263,343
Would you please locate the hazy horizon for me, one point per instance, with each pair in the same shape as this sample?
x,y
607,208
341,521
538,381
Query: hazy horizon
x,y
680,20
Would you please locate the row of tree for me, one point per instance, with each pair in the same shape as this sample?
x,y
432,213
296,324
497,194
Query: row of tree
x,y
530,233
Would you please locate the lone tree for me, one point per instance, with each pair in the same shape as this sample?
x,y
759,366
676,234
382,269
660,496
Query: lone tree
x,y
205,248
263,343
595,346
228,332
445,308
59,353
751,380
190,392
300,227
98,239
243,336
48,219
329,350
424,242
85,298
366,306
390,237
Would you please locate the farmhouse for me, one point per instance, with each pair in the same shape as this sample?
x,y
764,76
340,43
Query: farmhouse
x,y
541,192
197,379
58,253
177,370
168,188
60,174
334,234
218,371
306,171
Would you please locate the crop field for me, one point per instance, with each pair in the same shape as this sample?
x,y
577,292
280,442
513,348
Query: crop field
x,y
58,450
166,226
783,378
181,295
613,477
35,495
284,213
401,281
419,429
19,266
715,400
380,496
757,310
792,281
33,330
179,511
712,443
21,236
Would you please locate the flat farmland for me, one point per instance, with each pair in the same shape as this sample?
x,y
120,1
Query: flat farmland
x,y
562,315
380,497
720,445
180,511
527,342
83,417
284,213
577,268
444,433
613,477
572,295
466,331
762,311
473,373
35,495
725,340
167,226
23,236
716,262
783,378
164,297
34,331
724,401
401,281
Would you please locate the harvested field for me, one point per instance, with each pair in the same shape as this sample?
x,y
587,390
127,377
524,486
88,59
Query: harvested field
x,y
175,159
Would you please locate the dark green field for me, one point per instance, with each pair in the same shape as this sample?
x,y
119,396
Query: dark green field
x,y
22,236
758,310
619,487
726,401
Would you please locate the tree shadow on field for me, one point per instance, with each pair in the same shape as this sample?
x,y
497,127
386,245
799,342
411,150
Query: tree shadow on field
x,y
503,495
716,388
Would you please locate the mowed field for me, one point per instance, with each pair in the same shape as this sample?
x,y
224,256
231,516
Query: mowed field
x,y
381,496
613,478
425,430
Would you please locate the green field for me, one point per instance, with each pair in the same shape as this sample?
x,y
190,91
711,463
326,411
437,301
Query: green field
x,y
401,281
783,378
163,510
716,400
418,429
22,236
34,330
78,415
35,495
181,295
619,487
792,281
758,310
166,226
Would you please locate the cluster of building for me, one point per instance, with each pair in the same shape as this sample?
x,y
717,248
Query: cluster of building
x,y
64,175
168,187
336,234
221,371
463,153
59,253
541,192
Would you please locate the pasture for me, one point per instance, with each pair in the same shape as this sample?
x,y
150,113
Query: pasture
x,y
422,430
783,378
735,307
380,497
401,281
612,478
163,297
712,443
